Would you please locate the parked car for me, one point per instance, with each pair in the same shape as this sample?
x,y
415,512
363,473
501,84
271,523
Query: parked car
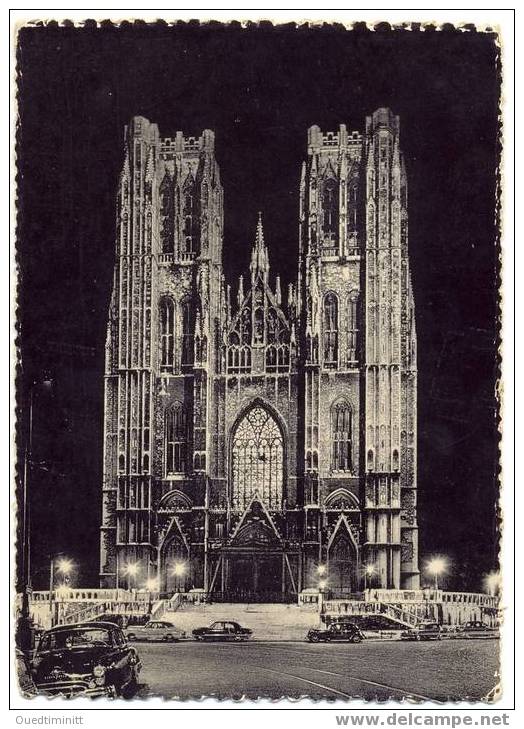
x,y
115,618
410,634
223,630
476,629
430,631
346,632
88,659
155,630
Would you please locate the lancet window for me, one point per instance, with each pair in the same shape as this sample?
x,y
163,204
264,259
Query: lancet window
x,y
175,435
330,331
341,436
166,214
167,333
352,315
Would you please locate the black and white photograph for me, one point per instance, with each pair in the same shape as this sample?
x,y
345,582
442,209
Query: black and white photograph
x,y
257,362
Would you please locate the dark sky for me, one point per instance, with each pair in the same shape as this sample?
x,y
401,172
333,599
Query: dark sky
x,y
259,89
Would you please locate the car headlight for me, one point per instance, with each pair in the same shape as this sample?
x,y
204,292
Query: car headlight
x,y
99,671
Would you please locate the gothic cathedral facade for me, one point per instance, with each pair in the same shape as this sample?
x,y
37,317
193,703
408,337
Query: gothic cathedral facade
x,y
255,440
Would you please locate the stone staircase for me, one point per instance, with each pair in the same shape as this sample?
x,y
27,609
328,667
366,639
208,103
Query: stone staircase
x,y
267,621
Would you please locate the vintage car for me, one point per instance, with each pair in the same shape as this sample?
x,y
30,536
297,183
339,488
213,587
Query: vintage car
x,y
88,659
223,630
155,630
430,631
410,634
340,632
476,629
116,618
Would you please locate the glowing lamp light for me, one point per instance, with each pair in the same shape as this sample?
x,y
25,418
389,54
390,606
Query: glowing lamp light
x,y
321,569
64,566
132,568
152,585
179,569
436,567
322,585
62,591
370,569
492,583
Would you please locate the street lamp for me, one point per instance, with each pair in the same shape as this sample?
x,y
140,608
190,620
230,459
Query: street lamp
x,y
437,566
492,583
179,570
24,628
151,586
131,570
63,567
321,587
369,571
321,570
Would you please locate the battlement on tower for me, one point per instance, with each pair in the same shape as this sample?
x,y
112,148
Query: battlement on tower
x,y
341,139
188,144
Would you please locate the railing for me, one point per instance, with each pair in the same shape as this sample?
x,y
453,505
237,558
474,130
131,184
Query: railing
x,y
80,616
248,596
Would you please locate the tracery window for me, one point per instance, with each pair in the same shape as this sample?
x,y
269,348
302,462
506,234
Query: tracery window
x,y
167,331
257,460
330,213
175,435
188,215
330,331
341,437
166,214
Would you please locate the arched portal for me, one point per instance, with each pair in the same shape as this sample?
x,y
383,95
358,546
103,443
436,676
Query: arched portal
x,y
175,565
343,572
257,457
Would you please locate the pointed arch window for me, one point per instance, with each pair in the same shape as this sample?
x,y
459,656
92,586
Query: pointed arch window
x,y
166,214
353,326
330,331
167,333
188,212
187,334
341,437
175,439
257,460
330,212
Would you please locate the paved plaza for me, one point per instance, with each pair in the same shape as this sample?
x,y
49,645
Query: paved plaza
x,y
433,671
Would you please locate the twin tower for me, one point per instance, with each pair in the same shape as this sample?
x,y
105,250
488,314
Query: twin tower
x,y
257,440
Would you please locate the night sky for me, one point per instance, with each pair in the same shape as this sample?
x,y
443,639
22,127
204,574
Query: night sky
x,y
259,89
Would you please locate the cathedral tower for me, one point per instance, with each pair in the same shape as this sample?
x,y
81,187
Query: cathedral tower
x,y
254,441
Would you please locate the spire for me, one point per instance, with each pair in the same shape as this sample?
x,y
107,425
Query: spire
x,y
278,292
240,296
259,255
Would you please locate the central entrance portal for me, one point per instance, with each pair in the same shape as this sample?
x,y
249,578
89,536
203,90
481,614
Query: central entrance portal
x,y
255,577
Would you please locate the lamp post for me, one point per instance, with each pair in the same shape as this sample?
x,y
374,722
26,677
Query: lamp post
x,y
179,570
63,567
436,567
369,571
492,583
24,632
131,570
151,586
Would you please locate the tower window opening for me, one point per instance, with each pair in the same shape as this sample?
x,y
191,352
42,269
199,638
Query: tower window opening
x,y
175,439
187,334
167,333
330,331
341,437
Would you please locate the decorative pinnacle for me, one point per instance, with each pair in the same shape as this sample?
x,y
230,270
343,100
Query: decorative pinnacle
x,y
259,255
